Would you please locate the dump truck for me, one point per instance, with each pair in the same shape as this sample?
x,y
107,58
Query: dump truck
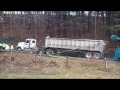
x,y
85,47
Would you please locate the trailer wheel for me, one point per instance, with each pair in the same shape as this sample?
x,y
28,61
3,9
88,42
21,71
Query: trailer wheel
x,y
49,52
88,54
97,55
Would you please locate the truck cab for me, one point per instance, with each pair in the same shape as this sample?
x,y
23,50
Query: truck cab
x,y
28,44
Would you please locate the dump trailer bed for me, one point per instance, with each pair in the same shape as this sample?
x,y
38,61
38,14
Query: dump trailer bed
x,y
75,44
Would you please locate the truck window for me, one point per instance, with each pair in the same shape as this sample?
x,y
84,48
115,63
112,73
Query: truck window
x,y
27,41
33,41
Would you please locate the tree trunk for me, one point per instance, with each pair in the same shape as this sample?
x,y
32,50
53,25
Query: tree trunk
x,y
103,20
58,21
35,16
11,26
89,21
81,23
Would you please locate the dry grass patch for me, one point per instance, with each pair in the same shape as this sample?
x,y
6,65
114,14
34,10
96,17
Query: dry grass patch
x,y
25,66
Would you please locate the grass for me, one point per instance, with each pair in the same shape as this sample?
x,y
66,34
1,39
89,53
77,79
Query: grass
x,y
76,69
65,74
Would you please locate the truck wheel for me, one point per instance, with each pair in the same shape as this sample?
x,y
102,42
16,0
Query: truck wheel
x,y
49,52
41,52
88,54
19,49
97,55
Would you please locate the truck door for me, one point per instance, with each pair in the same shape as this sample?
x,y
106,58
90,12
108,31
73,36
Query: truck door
x,y
27,44
33,44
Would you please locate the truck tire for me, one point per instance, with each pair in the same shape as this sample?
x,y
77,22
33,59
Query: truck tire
x,y
19,49
97,55
88,54
41,52
49,52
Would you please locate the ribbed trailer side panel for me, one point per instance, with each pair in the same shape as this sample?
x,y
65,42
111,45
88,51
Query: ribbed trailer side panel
x,y
79,44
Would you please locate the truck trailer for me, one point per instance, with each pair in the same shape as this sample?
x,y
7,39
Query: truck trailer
x,y
86,47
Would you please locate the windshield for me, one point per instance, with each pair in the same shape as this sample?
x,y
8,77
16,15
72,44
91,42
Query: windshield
x,y
27,41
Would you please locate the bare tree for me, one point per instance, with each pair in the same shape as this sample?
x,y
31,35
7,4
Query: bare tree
x,y
89,21
35,16
11,25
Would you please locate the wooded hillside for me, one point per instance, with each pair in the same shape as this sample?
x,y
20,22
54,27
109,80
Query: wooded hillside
x,y
20,25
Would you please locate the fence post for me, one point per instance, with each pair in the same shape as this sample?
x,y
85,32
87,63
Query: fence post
x,y
35,55
11,55
106,66
66,61
66,64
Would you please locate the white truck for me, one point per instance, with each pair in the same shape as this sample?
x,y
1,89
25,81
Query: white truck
x,y
28,44
85,47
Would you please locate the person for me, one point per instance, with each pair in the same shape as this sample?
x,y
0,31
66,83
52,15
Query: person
x,y
3,46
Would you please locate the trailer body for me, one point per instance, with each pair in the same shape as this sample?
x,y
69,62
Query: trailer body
x,y
86,46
